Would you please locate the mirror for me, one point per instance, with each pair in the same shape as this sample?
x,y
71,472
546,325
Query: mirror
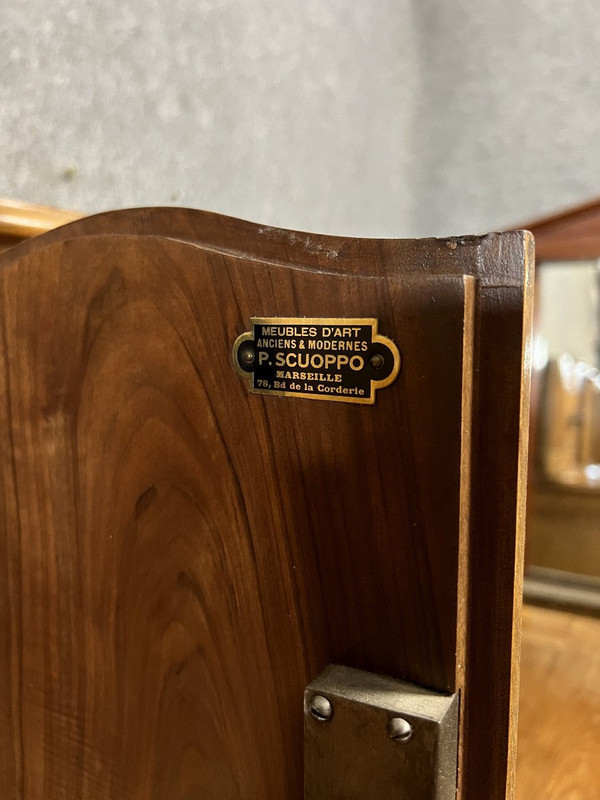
x,y
564,499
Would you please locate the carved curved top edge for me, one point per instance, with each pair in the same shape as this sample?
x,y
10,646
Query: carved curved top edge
x,y
497,258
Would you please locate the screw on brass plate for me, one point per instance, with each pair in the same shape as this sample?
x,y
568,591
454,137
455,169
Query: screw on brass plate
x,y
247,355
320,707
400,730
376,361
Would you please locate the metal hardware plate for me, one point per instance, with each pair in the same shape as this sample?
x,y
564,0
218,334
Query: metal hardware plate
x,y
369,737
343,359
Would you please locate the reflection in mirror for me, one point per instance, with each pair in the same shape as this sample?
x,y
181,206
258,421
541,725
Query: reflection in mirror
x,y
564,503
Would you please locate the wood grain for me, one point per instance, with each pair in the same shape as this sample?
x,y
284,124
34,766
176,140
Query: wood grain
x,y
312,532
184,557
6,242
568,235
559,716
20,220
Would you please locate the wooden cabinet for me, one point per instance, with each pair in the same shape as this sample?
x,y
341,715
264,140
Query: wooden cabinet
x,y
181,556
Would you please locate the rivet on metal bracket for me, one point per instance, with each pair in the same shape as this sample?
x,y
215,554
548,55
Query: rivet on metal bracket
x,y
383,739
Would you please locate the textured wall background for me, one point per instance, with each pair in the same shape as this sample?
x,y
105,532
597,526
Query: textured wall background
x,y
395,117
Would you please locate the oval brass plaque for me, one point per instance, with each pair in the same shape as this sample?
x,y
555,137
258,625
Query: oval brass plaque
x,y
322,359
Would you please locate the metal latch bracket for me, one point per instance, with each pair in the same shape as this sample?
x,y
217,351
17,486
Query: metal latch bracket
x,y
369,737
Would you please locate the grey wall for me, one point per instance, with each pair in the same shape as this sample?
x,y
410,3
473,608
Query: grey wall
x,y
373,117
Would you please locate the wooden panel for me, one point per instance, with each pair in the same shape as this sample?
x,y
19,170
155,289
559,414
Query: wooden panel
x,y
6,242
559,716
382,631
569,235
182,557
22,220
496,551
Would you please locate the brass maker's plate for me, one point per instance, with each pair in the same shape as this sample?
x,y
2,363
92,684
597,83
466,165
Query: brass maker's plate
x,y
339,359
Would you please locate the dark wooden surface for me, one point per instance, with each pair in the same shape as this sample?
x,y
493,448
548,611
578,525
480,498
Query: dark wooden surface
x,y
6,242
181,558
569,235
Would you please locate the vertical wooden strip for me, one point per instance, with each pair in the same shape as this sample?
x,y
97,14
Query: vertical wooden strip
x,y
501,419
465,509
524,439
